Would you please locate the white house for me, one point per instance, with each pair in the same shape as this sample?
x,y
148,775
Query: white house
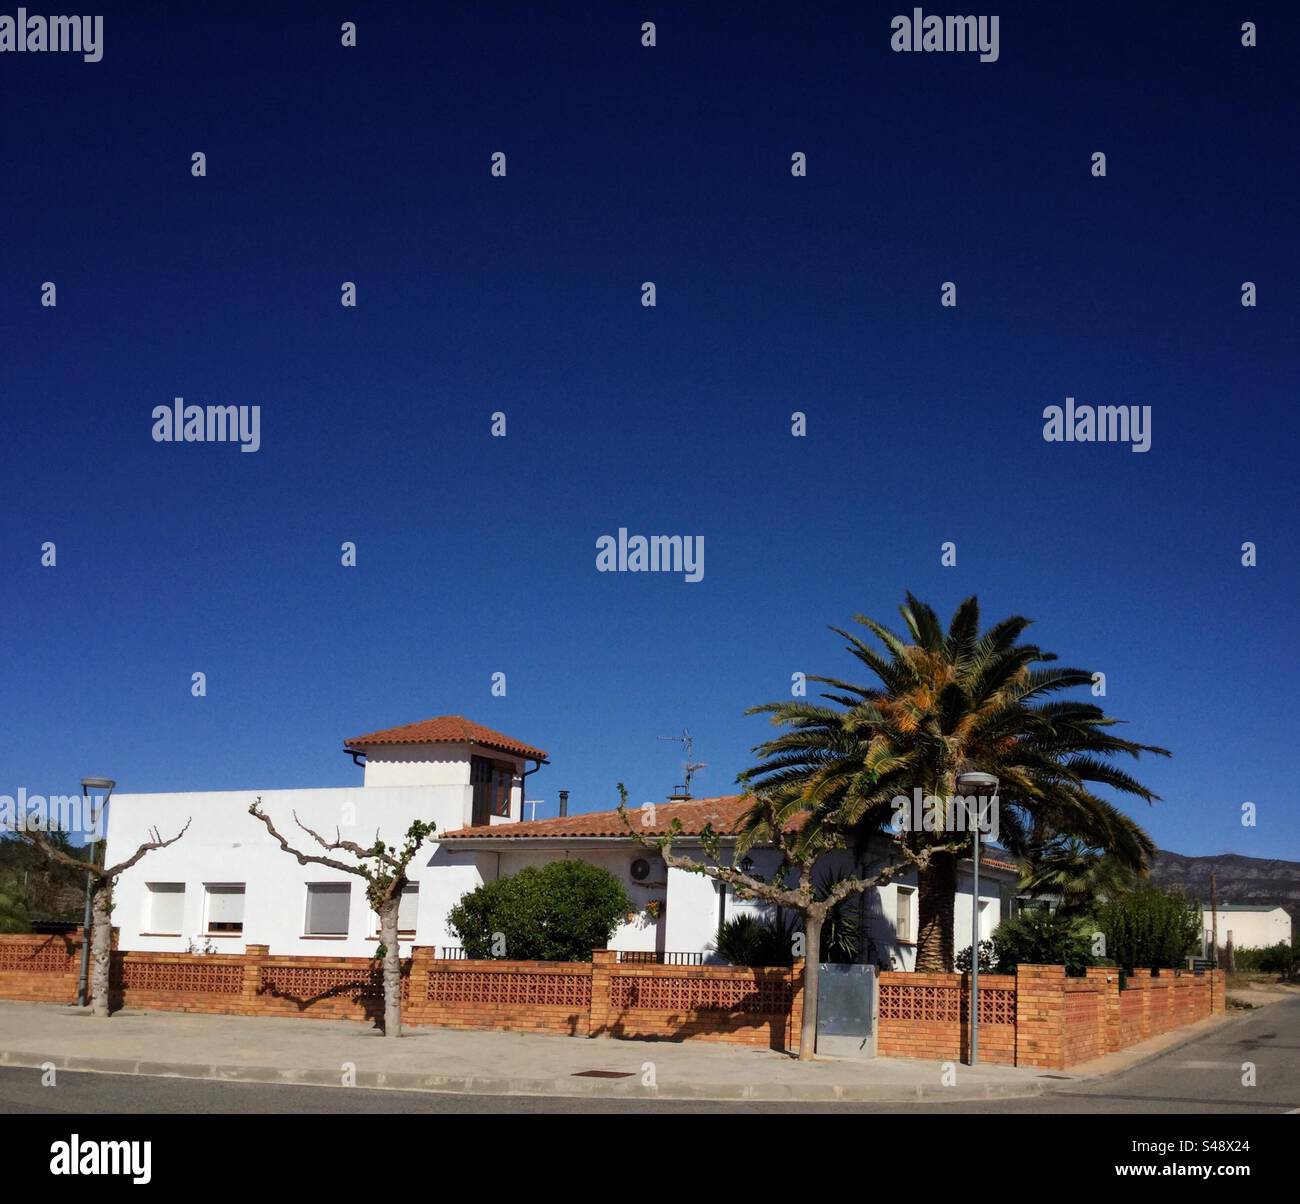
x,y
1249,926
227,882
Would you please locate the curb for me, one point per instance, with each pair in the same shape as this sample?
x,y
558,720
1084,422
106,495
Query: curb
x,y
484,1085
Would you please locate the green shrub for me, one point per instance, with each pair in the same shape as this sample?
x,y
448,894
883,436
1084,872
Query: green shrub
x,y
558,912
988,958
1151,927
1282,958
13,911
1043,938
750,940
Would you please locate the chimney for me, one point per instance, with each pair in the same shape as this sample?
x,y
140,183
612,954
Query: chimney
x,y
564,802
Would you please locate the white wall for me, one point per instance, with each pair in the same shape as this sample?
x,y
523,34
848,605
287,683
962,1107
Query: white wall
x,y
225,844
1250,929
690,920
441,765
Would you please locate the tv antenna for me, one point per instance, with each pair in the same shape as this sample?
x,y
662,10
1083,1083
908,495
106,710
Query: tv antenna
x,y
687,741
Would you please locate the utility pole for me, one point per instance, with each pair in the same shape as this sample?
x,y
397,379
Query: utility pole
x,y
1214,920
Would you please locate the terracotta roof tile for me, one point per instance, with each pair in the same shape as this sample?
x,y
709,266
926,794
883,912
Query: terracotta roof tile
x,y
722,812
445,729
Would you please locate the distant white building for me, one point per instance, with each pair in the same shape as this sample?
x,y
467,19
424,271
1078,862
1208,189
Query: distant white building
x,y
1248,926
227,883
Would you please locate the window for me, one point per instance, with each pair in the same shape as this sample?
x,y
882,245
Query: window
x,y
226,910
166,908
407,910
491,782
328,904
904,927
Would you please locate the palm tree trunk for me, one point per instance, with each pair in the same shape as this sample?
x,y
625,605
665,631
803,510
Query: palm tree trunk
x,y
936,894
392,967
812,953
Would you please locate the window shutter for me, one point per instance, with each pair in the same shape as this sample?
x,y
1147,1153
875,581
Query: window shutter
x,y
225,905
328,904
166,906
408,908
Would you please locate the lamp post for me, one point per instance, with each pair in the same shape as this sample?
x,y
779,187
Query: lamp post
x,y
88,784
974,783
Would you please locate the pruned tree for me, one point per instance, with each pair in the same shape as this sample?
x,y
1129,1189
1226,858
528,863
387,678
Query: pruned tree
x,y
802,833
385,878
102,879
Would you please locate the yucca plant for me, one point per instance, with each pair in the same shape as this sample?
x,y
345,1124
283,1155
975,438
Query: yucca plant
x,y
946,702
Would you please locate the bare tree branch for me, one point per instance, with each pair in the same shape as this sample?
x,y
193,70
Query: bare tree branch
x,y
256,811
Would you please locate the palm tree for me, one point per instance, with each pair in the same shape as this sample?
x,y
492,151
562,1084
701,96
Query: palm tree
x,y
948,702
1075,875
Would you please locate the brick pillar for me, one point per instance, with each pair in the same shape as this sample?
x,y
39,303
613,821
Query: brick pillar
x,y
1218,992
603,962
796,1007
417,991
1040,1016
1141,978
1106,980
254,956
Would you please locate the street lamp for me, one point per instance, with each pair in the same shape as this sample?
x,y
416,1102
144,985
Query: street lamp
x,y
88,784
977,784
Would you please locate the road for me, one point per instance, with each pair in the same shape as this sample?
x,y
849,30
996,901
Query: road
x,y
1202,1077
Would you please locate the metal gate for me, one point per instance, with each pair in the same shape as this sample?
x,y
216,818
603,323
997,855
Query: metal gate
x,y
846,1011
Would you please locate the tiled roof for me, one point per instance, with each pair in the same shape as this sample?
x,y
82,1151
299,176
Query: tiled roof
x,y
722,812
446,729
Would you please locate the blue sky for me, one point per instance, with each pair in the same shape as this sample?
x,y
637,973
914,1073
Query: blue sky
x,y
477,555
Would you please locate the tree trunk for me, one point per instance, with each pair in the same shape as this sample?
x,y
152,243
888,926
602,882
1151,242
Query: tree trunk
x,y
392,966
936,894
812,953
101,944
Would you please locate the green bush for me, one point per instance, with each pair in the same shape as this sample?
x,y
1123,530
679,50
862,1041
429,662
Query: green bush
x,y
1151,927
558,912
1280,959
988,958
13,911
1043,938
749,940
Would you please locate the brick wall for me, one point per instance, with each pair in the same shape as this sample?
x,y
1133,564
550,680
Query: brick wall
x,y
711,1003
1037,1017
43,969
602,997
928,1016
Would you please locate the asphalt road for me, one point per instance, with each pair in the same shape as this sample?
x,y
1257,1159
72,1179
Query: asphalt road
x,y
1205,1076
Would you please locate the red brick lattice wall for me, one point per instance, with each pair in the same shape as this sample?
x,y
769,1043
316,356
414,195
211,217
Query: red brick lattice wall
x,y
928,1016
1037,1017
759,1007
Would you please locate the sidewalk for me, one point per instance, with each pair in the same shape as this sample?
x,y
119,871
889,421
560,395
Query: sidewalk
x,y
316,1052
